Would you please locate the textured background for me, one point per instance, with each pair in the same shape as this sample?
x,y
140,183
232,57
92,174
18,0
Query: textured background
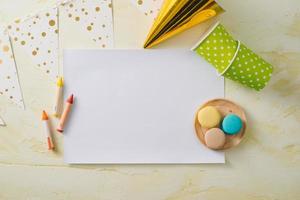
x,y
265,166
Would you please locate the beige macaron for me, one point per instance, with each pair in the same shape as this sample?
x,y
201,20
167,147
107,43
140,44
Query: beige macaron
x,y
215,138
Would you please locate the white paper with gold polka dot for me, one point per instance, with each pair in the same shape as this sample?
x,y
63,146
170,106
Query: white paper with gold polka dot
x,y
94,17
9,81
38,34
148,7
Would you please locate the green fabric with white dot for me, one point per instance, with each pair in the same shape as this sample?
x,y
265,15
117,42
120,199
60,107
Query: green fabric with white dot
x,y
247,68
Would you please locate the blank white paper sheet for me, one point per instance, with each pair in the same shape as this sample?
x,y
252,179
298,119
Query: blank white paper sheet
x,y
137,106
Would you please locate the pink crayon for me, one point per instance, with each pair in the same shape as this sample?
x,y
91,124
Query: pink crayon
x,y
65,114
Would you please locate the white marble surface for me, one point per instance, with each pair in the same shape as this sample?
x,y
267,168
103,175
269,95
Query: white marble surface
x,y
266,165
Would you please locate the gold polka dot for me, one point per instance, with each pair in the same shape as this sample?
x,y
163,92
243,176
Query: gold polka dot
x,y
5,48
8,77
23,42
6,90
9,27
56,31
71,5
70,15
34,53
103,25
51,22
47,14
110,5
43,34
49,51
86,13
47,71
77,18
140,2
16,39
103,45
97,9
11,97
17,21
89,28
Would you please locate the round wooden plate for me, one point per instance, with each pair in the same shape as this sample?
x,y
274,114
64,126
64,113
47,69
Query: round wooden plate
x,y
225,107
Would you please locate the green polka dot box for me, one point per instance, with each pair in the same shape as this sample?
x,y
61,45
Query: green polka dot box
x,y
232,59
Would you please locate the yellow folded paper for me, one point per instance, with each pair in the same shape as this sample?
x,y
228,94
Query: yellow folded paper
x,y
176,16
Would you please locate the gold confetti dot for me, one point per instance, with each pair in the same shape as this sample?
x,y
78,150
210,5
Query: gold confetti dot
x,y
8,77
56,31
49,51
103,45
86,13
70,15
140,2
97,9
82,9
47,14
77,18
71,5
11,97
89,28
32,37
51,22
17,21
43,34
110,5
9,27
5,48
103,25
23,42
34,53
16,39
17,29
47,71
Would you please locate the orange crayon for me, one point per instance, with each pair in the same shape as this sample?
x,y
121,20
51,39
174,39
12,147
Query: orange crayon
x,y
65,114
47,130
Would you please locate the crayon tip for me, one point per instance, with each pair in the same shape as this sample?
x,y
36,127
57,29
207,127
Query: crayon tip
x,y
44,116
60,82
71,99
60,130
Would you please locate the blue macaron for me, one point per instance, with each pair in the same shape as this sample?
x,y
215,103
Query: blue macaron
x,y
232,124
